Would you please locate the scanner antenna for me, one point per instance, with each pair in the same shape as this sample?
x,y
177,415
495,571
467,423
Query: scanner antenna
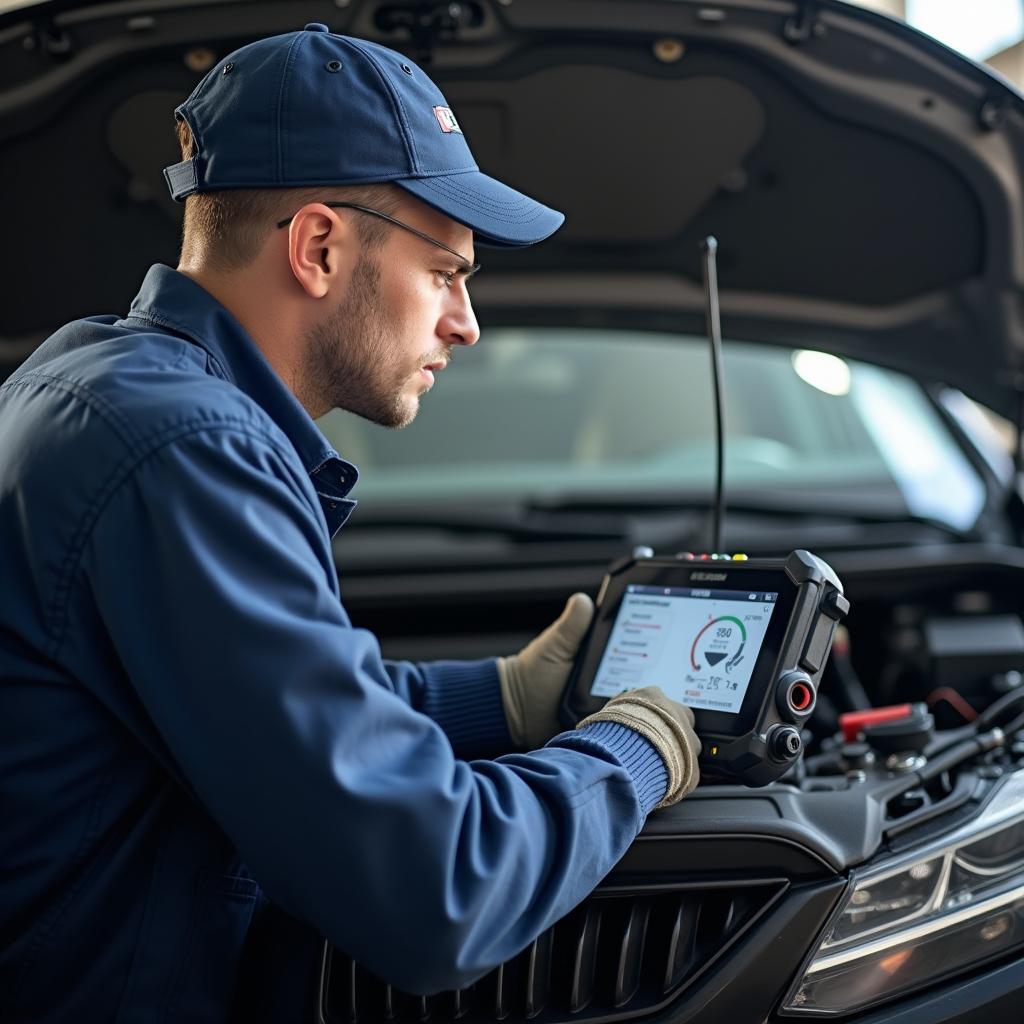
x,y
709,249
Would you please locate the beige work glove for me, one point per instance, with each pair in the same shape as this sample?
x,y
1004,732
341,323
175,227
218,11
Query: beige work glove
x,y
667,726
532,681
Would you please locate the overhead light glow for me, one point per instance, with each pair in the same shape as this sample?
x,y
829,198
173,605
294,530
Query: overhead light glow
x,y
822,371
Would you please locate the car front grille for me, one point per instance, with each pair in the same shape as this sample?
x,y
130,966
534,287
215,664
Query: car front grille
x,y
619,954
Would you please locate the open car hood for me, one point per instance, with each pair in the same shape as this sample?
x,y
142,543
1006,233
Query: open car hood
x,y
864,181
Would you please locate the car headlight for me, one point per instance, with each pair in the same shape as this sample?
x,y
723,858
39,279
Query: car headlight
x,y
940,910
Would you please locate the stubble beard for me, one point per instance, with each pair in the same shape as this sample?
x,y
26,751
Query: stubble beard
x,y
350,362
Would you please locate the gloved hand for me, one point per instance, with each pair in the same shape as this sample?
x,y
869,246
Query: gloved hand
x,y
532,681
667,726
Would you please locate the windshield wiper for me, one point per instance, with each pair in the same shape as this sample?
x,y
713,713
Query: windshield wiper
x,y
788,507
512,521
618,518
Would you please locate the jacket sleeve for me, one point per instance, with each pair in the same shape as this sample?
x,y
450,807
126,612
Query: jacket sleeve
x,y
462,697
349,806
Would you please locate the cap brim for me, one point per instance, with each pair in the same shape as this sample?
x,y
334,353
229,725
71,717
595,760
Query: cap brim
x,y
497,214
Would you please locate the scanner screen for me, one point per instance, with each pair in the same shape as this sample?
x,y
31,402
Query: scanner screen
x,y
698,646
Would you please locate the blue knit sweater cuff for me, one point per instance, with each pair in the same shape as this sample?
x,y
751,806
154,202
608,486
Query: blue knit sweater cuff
x,y
464,698
636,755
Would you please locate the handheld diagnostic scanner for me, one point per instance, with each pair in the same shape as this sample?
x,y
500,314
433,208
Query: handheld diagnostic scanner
x,y
741,642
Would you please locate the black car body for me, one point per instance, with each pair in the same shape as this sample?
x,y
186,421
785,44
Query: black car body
x,y
865,184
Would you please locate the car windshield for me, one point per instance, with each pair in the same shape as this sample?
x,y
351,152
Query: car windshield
x,y
564,414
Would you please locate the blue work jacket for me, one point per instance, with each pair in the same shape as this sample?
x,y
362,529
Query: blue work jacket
x,y
203,764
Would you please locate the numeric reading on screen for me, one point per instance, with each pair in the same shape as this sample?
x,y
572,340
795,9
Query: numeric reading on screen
x,y
699,646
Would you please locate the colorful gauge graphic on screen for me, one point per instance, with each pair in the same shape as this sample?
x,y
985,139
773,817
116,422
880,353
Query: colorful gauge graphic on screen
x,y
720,641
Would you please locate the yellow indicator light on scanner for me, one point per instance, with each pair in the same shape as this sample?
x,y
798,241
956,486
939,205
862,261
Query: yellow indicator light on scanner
x,y
739,558
714,750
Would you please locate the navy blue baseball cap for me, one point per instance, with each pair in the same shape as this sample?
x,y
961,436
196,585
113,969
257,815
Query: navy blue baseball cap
x,y
314,108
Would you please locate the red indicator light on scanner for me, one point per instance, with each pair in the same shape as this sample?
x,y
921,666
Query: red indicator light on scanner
x,y
853,722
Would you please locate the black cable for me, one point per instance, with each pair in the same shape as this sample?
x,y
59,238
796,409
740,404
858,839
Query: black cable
x,y
998,707
954,755
984,738
709,247
949,738
1015,726
839,668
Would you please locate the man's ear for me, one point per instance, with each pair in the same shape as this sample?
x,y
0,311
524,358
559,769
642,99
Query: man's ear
x,y
322,249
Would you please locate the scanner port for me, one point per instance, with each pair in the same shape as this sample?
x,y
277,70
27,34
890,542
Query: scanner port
x,y
795,696
784,743
800,697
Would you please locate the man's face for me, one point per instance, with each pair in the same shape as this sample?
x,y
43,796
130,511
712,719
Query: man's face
x,y
406,307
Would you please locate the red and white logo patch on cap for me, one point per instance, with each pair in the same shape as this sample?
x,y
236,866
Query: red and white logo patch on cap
x,y
446,119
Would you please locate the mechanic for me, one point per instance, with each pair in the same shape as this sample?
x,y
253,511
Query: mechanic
x,y
204,766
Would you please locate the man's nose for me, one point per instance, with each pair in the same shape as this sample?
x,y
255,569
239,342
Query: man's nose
x,y
458,326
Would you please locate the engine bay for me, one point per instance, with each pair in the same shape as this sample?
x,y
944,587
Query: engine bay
x,y
925,677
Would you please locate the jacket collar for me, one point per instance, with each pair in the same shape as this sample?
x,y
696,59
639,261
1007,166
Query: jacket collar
x,y
171,301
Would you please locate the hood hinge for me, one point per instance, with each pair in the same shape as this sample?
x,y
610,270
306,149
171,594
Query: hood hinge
x,y
429,22
47,38
803,25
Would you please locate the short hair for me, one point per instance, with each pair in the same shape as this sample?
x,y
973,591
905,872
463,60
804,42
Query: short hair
x,y
227,228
